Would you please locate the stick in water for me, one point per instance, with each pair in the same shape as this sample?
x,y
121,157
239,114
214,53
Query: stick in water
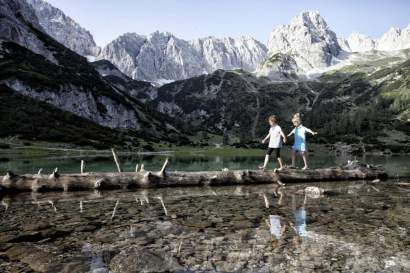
x,y
145,197
179,247
115,209
52,205
117,162
266,200
82,166
163,205
5,205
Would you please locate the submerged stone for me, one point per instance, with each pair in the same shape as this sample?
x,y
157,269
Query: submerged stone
x,y
134,260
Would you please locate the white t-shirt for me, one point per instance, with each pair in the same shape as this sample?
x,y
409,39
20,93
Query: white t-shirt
x,y
275,226
275,137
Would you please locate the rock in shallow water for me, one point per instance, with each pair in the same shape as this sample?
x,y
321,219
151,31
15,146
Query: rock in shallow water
x,y
37,259
135,260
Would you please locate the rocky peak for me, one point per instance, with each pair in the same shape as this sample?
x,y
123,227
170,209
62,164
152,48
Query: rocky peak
x,y
344,44
308,40
395,39
312,20
17,23
64,29
359,42
13,8
163,56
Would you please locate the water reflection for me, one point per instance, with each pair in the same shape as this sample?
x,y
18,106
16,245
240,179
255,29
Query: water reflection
x,y
281,221
324,227
299,213
395,165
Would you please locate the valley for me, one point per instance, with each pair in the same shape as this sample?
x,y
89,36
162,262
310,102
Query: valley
x,y
172,125
221,87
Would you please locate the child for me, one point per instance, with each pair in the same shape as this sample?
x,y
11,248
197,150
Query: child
x,y
275,136
300,140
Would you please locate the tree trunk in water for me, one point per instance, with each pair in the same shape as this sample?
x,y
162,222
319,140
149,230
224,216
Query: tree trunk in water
x,y
146,179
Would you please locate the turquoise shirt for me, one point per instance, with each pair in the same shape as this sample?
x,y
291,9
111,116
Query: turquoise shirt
x,y
300,221
300,138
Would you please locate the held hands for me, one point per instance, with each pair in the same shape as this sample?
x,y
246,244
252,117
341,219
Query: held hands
x,y
263,141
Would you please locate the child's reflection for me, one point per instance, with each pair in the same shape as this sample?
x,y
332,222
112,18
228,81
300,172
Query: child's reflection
x,y
278,224
299,213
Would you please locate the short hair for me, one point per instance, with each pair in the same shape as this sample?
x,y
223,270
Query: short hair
x,y
273,118
296,117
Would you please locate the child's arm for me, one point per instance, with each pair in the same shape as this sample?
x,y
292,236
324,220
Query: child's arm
x,y
291,133
266,138
283,136
310,131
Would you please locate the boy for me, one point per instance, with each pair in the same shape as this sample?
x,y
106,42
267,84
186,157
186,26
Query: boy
x,y
275,136
300,140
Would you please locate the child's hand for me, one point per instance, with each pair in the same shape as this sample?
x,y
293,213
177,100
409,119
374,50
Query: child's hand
x,y
263,141
314,133
284,140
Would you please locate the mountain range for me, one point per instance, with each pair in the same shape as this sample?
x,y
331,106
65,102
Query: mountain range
x,y
307,44
352,90
34,65
163,57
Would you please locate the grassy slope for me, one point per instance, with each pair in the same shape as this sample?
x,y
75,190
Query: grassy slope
x,y
371,107
396,87
389,76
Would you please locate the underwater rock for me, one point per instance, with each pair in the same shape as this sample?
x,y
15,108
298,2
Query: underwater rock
x,y
135,260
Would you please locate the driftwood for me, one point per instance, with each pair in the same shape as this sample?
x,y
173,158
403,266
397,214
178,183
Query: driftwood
x,y
146,179
117,161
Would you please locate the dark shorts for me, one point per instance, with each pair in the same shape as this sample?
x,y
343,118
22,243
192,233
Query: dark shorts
x,y
275,150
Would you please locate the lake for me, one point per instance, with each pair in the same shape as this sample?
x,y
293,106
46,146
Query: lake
x,y
352,227
195,160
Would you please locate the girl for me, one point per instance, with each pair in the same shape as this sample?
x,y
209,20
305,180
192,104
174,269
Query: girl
x,y
300,140
275,136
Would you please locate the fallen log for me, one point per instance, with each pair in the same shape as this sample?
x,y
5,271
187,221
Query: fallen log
x,y
146,179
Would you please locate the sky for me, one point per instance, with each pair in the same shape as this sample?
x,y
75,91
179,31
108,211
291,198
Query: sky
x,y
189,19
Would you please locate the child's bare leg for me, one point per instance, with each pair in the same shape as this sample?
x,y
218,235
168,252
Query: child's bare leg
x,y
304,160
293,158
265,163
280,201
304,201
280,164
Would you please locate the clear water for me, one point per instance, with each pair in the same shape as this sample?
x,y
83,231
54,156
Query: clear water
x,y
357,227
195,161
354,227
